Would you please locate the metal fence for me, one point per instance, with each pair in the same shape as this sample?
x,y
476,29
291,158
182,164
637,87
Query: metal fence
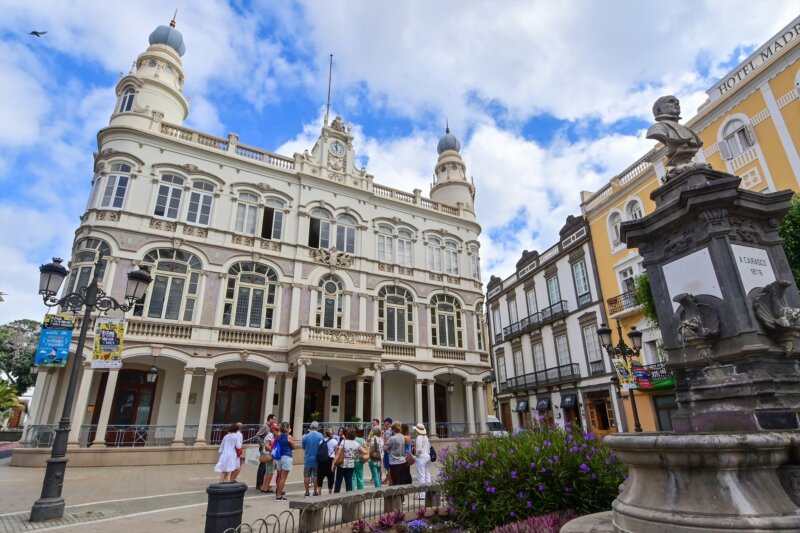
x,y
40,436
218,431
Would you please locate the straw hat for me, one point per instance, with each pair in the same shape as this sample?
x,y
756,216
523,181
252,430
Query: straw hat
x,y
419,428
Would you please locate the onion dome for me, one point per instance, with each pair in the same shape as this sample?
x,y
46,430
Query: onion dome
x,y
448,142
169,36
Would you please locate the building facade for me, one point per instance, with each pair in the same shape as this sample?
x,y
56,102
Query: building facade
x,y
749,127
288,285
548,362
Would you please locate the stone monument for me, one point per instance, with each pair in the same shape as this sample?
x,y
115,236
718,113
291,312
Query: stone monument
x,y
728,309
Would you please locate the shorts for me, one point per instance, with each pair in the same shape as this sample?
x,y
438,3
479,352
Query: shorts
x,y
269,467
286,463
309,471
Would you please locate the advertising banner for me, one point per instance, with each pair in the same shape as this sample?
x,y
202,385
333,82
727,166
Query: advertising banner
x,y
54,339
643,377
108,333
624,374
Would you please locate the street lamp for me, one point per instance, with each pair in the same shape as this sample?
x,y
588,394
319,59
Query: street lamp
x,y
51,504
624,351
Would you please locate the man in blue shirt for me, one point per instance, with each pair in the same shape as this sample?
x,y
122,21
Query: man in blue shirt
x,y
311,442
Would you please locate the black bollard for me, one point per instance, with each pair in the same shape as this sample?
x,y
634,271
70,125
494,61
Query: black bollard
x,y
225,502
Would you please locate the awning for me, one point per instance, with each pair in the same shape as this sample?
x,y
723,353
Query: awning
x,y
522,406
543,404
569,401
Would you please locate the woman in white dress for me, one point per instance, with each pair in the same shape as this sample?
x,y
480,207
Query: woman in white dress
x,y
229,451
422,447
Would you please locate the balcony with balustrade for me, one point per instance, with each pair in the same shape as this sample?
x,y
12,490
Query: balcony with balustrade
x,y
622,305
549,376
536,320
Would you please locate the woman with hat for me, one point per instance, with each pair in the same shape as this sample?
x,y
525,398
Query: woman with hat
x,y
422,447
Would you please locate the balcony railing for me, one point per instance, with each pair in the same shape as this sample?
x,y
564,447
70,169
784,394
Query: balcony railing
x,y
549,376
218,431
597,367
621,302
545,316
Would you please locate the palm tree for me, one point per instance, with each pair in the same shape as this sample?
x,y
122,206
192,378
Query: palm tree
x,y
8,397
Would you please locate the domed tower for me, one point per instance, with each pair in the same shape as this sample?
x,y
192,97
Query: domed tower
x,y
152,92
450,185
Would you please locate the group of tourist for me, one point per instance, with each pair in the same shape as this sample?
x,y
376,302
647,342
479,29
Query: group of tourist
x,y
331,458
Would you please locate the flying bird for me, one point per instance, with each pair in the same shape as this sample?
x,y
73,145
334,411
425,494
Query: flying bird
x,y
37,33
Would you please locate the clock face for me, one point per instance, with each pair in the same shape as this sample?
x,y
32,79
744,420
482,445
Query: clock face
x,y
337,149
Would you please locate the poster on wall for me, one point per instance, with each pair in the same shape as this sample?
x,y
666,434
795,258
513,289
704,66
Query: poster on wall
x,y
643,377
108,333
54,340
624,374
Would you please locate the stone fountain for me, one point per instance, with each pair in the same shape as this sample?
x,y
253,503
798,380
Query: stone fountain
x,y
728,309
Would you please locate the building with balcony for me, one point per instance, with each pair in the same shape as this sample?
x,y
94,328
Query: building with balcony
x,y
549,365
749,128
293,285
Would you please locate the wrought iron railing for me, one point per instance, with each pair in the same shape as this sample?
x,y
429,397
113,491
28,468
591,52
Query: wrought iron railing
x,y
653,377
135,436
621,302
40,436
597,367
549,376
217,432
545,316
450,430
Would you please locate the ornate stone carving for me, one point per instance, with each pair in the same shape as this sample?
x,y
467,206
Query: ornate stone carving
x,y
776,315
405,271
270,245
332,257
434,276
196,232
745,229
384,267
682,143
111,216
338,125
162,225
244,355
680,242
243,240
699,324
188,167
336,163
264,186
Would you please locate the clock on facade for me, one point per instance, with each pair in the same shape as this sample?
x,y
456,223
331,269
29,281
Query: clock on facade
x,y
337,149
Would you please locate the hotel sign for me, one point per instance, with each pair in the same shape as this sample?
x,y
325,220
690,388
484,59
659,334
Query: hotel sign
x,y
756,60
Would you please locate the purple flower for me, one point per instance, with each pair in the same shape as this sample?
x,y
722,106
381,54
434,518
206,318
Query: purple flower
x,y
521,495
543,470
567,489
513,474
533,465
511,451
494,456
537,449
555,458
585,467
548,443
541,488
529,504
594,476
474,507
468,466
512,513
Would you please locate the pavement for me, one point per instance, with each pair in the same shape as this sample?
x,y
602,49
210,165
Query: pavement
x,y
126,499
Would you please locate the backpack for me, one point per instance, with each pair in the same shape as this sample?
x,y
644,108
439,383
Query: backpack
x,y
375,451
276,449
322,452
433,455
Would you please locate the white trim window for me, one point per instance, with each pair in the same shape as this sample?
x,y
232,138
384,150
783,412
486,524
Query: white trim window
x,y
479,318
385,243
173,293
553,290
634,210
614,223
446,322
581,277
562,350
168,202
497,324
451,257
405,246
246,213
434,252
250,296
513,316
330,302
319,229
200,201
474,262
530,299
396,314
81,267
538,357
116,186
500,359
627,279
519,364
272,227
737,138
126,102
593,350
346,234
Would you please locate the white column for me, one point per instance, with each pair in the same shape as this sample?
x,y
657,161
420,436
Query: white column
x,y
299,401
183,407
287,397
482,414
294,313
377,402
205,403
362,313
360,397
268,405
418,400
37,402
783,132
470,408
49,398
105,411
432,408
80,405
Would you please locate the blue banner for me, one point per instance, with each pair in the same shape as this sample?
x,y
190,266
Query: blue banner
x,y
54,341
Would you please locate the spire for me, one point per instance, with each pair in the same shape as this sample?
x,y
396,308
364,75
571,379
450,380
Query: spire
x,y
172,22
328,106
447,125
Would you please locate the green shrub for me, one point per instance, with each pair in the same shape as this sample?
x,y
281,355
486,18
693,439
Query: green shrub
x,y
493,481
643,296
790,231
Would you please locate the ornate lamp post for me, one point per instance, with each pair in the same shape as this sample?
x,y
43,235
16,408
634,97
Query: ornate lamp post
x,y
51,504
624,351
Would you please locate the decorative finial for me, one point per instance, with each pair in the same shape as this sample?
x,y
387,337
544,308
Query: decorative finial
x,y
172,22
446,125
682,143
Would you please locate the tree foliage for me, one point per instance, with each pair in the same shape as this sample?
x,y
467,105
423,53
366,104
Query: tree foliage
x,y
643,296
18,340
790,231
8,397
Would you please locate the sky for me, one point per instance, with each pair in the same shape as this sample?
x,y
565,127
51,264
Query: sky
x,y
548,98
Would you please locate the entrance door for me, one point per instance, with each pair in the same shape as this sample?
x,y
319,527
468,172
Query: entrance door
x,y
601,415
238,400
505,414
314,400
131,410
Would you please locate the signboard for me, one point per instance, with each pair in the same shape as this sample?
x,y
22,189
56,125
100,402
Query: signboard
x,y
54,340
643,378
692,273
108,333
624,374
754,266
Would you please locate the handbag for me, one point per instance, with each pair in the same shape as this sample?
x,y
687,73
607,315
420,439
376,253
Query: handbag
x,y
410,459
252,456
433,455
364,453
375,451
339,457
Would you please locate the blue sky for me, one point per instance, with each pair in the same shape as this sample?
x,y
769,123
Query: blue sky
x,y
547,102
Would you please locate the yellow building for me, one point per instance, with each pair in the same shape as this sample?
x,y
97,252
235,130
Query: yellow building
x,y
750,127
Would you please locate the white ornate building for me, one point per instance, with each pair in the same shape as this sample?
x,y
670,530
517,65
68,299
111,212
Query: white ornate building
x,y
269,273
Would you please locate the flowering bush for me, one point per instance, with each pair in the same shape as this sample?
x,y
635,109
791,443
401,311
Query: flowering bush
x,y
548,523
491,481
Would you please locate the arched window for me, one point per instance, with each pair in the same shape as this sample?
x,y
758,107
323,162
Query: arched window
x,y
737,138
168,203
434,249
82,265
250,296
451,257
246,213
474,262
404,248
396,314
116,185
200,203
173,293
633,210
346,233
385,243
319,230
126,104
330,302
273,219
614,221
446,321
